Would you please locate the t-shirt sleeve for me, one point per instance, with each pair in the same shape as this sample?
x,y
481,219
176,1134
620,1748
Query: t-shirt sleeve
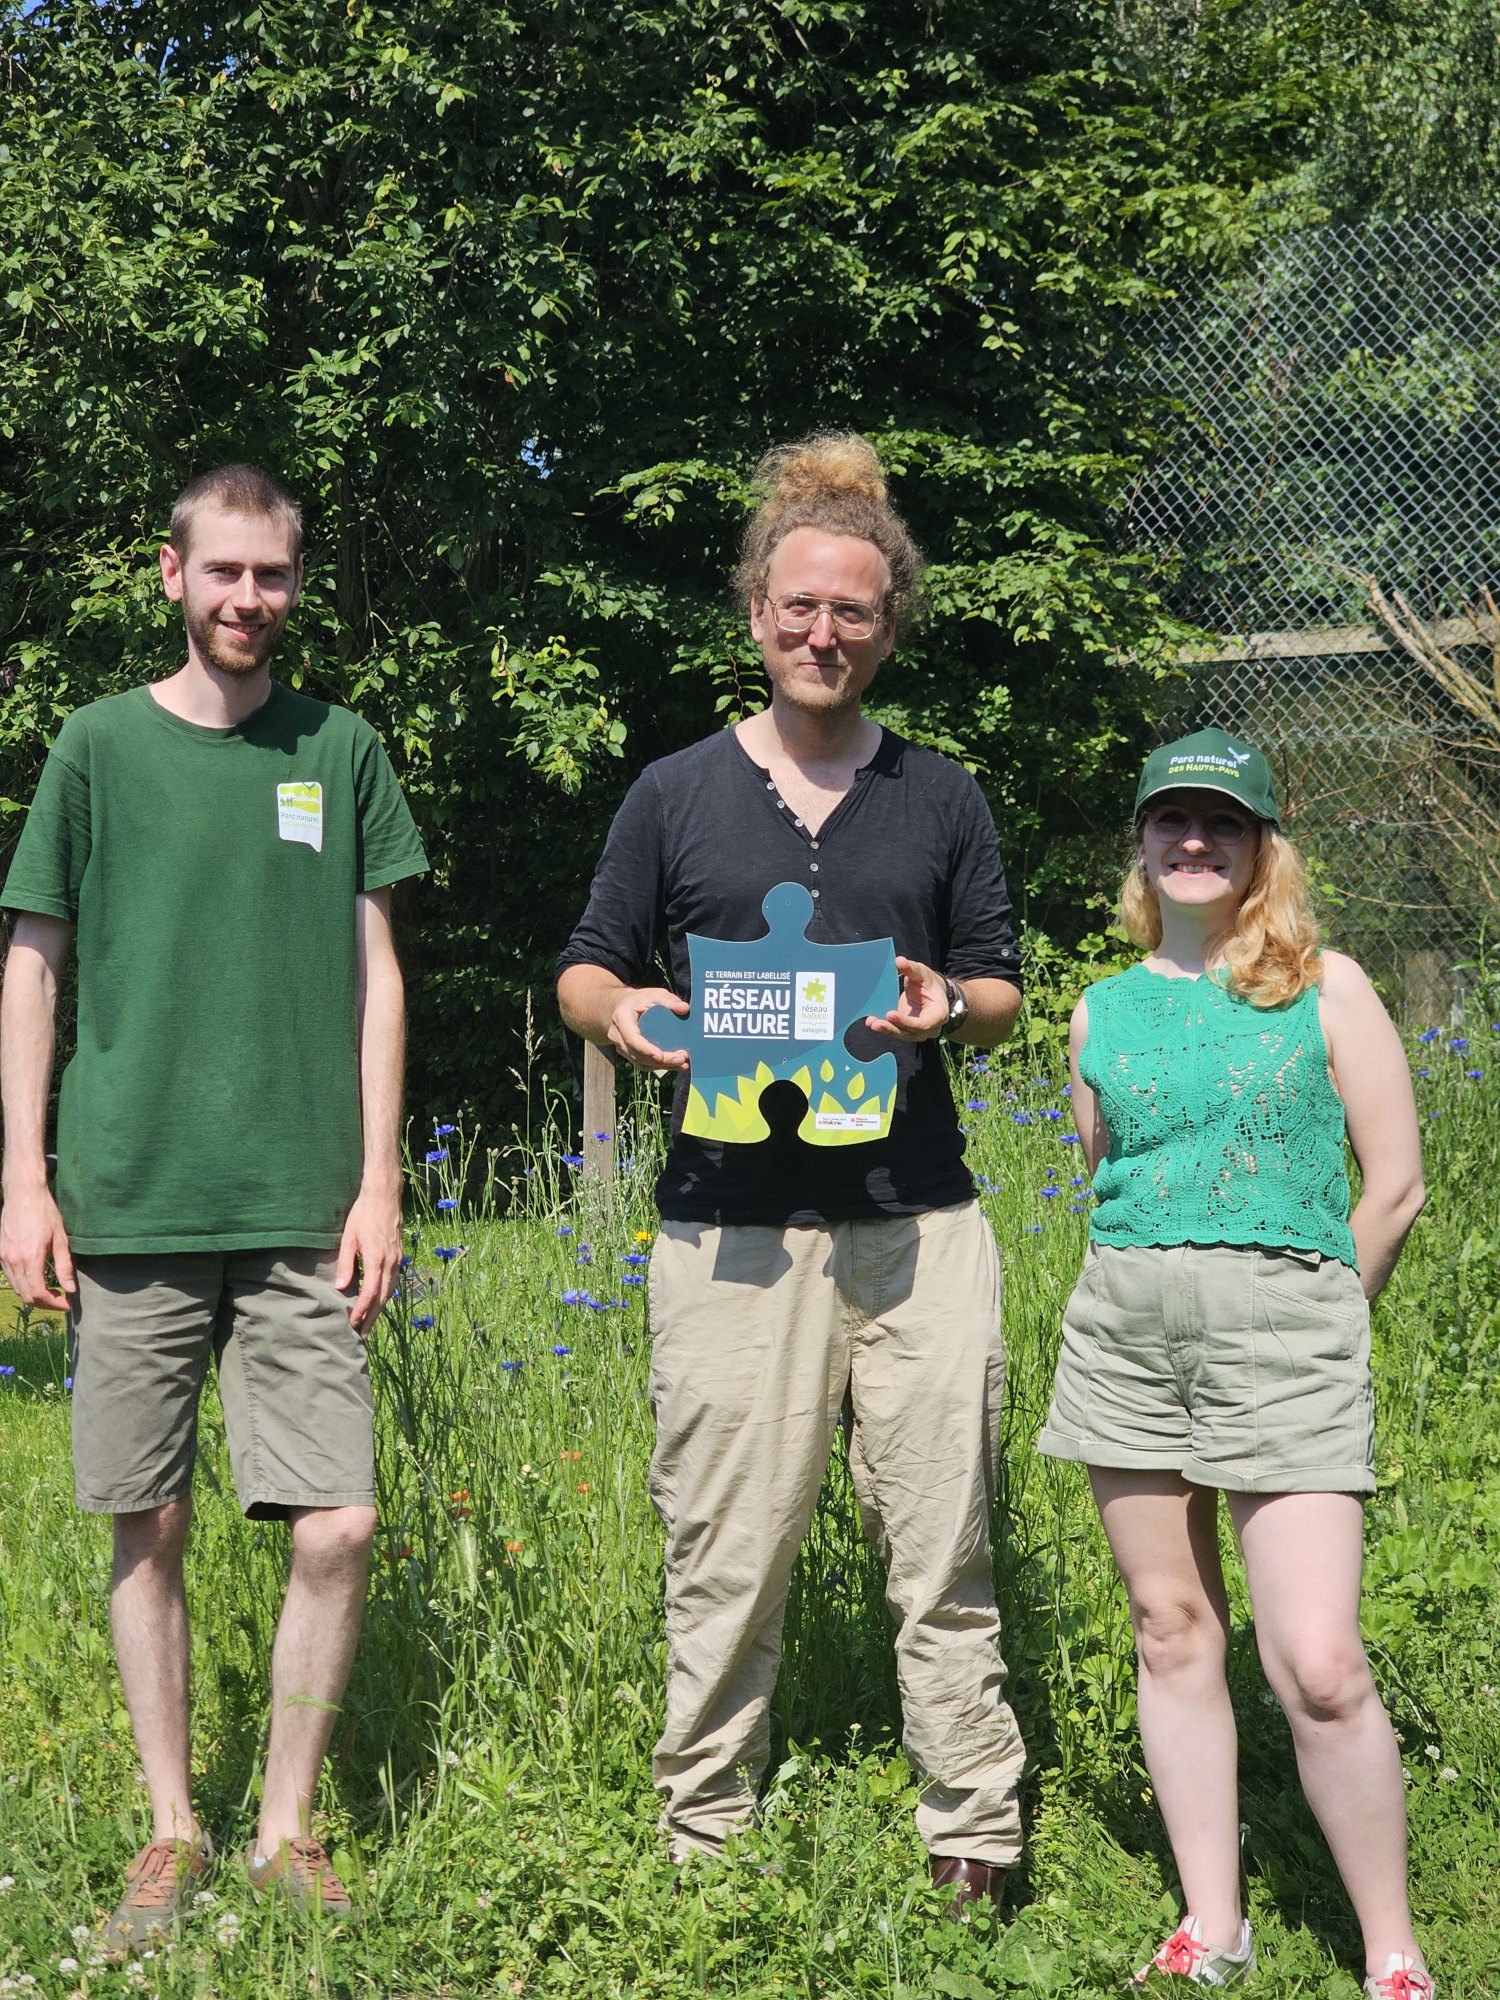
x,y
981,942
46,872
389,847
625,917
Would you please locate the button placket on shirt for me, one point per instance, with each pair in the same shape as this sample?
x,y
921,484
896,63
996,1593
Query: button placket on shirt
x,y
813,867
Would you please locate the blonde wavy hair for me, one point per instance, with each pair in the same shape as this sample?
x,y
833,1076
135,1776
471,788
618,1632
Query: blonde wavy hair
x,y
834,481
1273,952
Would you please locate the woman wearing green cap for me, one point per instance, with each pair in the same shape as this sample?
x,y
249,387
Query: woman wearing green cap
x,y
1219,1337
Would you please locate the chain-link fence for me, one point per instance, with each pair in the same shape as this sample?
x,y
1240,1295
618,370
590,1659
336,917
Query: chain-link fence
x,y
1331,495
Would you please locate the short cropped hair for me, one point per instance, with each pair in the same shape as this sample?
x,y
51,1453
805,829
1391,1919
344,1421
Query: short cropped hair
x,y
832,481
234,489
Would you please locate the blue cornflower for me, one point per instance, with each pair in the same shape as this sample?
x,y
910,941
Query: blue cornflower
x,y
562,1350
436,1157
585,1254
1020,1118
1424,1072
1041,1083
1051,1111
1430,1036
566,1229
602,1138
1048,1193
423,1321
1434,1114
574,1298
443,1131
572,1159
1476,1073
1035,1229
1067,1090
448,1203
1068,1138
635,1257
67,1381
632,1278
1011,1096
1051,1173
448,1255
977,1104
404,1265
7,1371
1077,1181
1459,1042
1079,1208
1495,1027
511,1366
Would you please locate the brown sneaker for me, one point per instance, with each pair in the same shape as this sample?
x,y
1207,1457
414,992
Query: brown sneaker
x,y
158,1884
301,1871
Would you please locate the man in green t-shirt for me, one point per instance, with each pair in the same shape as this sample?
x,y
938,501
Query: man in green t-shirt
x,y
220,850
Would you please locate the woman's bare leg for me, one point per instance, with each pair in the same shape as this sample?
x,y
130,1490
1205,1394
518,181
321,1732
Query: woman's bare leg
x,y
1303,1557
1164,1535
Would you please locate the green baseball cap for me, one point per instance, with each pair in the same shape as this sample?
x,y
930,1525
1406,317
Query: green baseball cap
x,y
1211,761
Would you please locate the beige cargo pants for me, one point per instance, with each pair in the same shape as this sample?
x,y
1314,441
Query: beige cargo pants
x,y
757,1334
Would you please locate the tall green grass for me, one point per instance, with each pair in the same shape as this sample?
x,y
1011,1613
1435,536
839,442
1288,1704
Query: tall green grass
x,y
489,1794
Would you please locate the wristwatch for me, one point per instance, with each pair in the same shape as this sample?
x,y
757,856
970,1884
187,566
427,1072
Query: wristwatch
x,y
958,1008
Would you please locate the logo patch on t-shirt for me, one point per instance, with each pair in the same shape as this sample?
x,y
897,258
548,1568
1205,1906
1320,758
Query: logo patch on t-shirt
x,y
299,814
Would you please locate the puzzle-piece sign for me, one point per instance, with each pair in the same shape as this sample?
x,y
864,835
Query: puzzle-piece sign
x,y
776,1010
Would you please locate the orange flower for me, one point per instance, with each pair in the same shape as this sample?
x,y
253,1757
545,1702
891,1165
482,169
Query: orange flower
x,y
514,1548
581,1489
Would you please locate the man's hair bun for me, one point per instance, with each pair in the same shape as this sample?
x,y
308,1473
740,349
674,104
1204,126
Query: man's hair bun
x,y
833,481
791,475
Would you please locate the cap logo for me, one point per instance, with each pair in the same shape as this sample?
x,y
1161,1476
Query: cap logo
x,y
1239,756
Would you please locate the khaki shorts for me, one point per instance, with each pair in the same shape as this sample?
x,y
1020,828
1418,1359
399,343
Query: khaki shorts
x,y
1247,1369
293,1380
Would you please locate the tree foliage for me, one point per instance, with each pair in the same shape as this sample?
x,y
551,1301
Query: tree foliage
x,y
513,295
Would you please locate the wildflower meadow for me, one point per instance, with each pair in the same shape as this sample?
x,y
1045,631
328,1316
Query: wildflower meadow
x,y
489,1799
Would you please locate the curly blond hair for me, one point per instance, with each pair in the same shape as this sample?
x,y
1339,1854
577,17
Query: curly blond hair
x,y
833,481
1273,953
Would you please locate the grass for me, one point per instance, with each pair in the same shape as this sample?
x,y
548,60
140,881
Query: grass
x,y
489,1793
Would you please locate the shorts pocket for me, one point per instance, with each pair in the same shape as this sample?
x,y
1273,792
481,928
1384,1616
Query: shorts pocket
x,y
1307,1300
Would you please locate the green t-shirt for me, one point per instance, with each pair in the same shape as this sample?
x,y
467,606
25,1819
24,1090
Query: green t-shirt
x,y
213,1103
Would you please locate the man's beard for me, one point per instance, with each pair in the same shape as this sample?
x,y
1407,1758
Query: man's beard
x,y
220,651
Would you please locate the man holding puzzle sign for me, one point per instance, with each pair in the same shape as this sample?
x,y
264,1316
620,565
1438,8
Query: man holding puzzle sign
x,y
831,898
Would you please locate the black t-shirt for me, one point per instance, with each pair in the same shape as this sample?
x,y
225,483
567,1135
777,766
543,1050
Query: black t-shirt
x,y
908,853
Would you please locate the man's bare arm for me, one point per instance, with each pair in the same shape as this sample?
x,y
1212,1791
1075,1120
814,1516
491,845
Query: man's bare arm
x,y
372,1234
31,1228
922,1008
598,1005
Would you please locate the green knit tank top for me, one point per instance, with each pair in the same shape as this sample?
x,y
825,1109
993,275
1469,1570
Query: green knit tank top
x,y
1224,1125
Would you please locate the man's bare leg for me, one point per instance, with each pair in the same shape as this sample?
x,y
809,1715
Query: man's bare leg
x,y
310,1662
148,1615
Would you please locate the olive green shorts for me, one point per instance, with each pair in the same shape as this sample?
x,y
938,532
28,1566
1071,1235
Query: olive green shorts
x,y
293,1380
1247,1369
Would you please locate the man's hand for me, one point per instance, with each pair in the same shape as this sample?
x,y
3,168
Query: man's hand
x,y
920,1011
625,1028
31,1236
372,1243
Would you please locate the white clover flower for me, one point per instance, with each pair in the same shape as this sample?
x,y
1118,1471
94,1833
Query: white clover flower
x,y
227,1929
482,1902
1448,1775
135,1973
80,1934
7,1883
204,1900
67,1965
1433,1752
450,1757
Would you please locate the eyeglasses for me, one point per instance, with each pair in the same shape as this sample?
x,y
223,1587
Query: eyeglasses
x,y
796,615
1173,823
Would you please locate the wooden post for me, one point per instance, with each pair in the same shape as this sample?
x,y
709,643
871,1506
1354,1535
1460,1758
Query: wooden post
x,y
598,1115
